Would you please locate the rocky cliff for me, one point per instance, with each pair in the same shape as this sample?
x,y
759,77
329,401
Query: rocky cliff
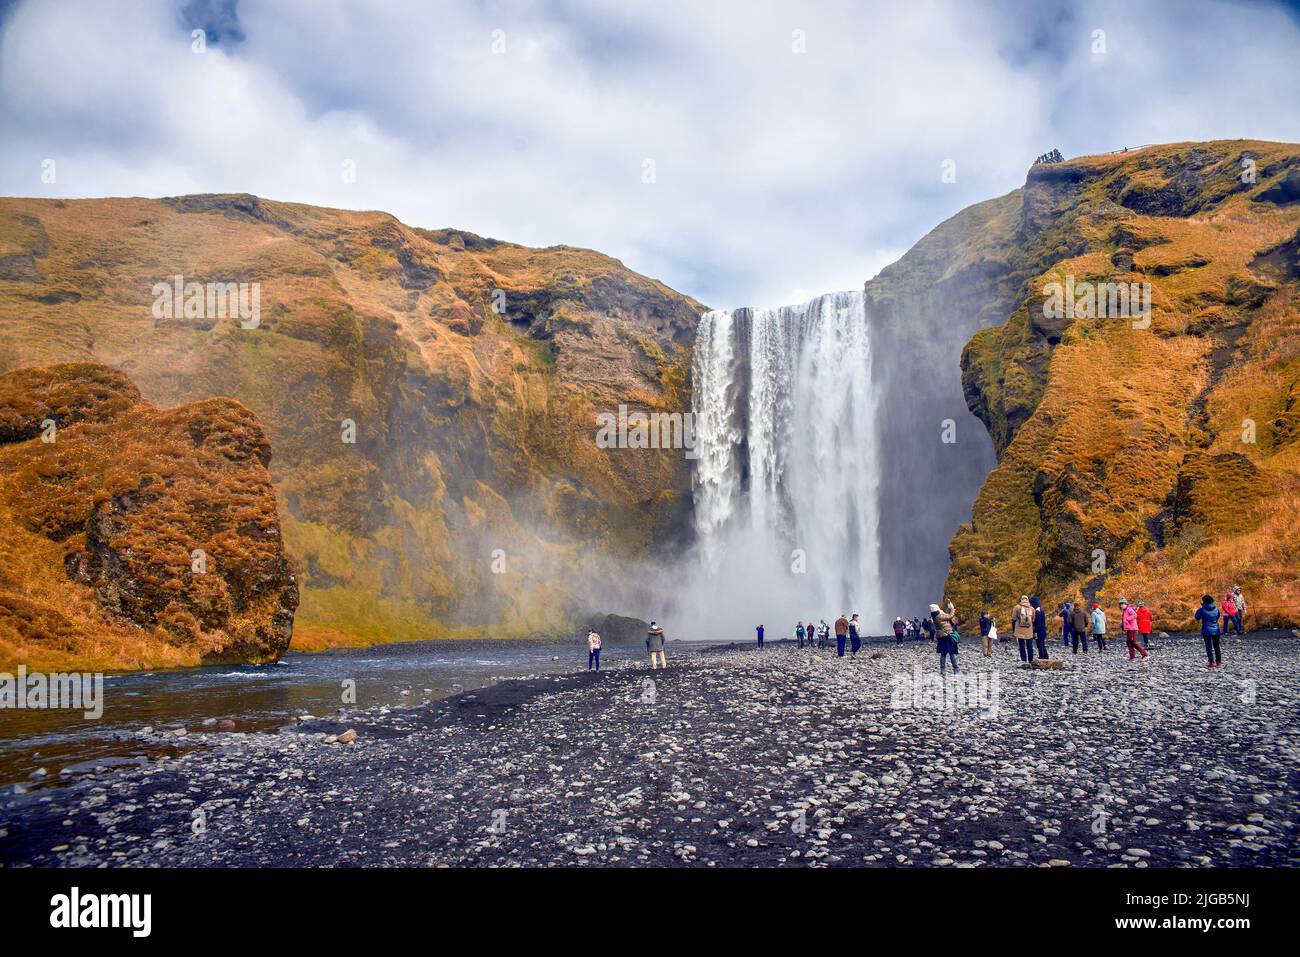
x,y
133,536
1156,459
431,396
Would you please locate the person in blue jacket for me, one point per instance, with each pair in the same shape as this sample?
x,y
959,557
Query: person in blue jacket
x,y
759,631
1208,616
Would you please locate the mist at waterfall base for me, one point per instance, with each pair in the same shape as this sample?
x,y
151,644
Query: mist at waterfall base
x,y
787,473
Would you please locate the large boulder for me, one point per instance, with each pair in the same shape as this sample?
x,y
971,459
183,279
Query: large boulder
x,y
135,536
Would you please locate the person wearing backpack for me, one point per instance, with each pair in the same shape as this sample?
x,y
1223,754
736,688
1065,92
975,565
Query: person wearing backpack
x,y
1040,629
1208,616
947,637
900,631
1079,626
1128,623
1022,627
593,650
1099,627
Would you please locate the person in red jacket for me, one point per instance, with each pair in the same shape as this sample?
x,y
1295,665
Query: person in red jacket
x,y
1144,624
1129,625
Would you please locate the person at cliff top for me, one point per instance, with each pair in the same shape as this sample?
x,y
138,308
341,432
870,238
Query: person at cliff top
x,y
1066,614
1240,601
593,649
946,637
1040,627
759,631
1229,612
654,643
1099,626
1144,624
799,633
1022,627
1208,616
841,633
1128,623
988,632
1079,626
900,630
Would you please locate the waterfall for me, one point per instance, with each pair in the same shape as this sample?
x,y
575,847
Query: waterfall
x,y
787,469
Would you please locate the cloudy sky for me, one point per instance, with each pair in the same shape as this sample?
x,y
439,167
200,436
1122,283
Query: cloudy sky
x,y
745,152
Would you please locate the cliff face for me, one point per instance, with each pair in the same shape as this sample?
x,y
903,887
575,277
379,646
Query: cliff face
x,y
133,536
965,275
431,396
1155,461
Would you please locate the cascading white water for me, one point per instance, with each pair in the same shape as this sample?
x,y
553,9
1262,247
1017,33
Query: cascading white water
x,y
787,468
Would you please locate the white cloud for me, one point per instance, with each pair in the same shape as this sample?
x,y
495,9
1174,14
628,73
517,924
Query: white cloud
x,y
776,172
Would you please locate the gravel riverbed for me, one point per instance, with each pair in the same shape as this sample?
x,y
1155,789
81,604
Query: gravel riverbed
x,y
734,757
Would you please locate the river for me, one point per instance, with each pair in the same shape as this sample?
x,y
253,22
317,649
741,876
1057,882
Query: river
x,y
262,698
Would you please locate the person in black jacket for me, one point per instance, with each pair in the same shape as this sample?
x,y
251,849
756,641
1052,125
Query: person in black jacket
x,y
1040,627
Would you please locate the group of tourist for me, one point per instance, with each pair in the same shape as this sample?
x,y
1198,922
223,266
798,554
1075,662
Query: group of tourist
x,y
1028,629
848,634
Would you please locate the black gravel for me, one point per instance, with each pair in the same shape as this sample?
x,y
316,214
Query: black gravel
x,y
738,758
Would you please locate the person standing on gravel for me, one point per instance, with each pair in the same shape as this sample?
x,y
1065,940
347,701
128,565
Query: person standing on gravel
x,y
1040,628
841,634
1099,627
1229,613
759,632
1240,601
855,634
823,634
1066,614
1022,627
1144,624
988,632
1208,616
1079,626
900,630
1128,623
593,650
945,630
654,643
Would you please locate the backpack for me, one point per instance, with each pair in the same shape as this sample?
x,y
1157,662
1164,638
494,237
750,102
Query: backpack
x,y
1025,616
